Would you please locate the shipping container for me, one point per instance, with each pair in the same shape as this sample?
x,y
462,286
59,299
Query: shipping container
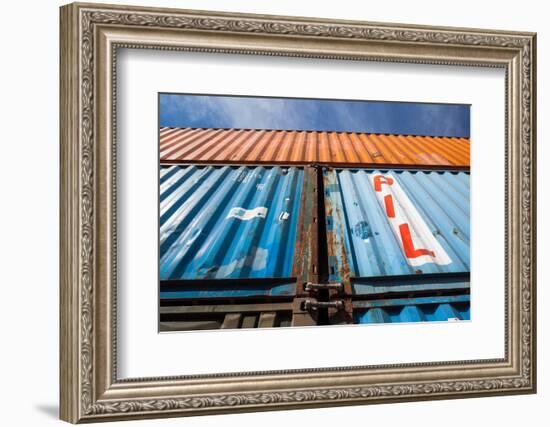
x,y
228,222
236,246
241,146
397,222
399,240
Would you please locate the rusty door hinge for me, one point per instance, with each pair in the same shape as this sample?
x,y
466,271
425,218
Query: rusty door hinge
x,y
314,286
314,305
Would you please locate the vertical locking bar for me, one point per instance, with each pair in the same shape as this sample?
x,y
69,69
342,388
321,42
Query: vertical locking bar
x,y
305,266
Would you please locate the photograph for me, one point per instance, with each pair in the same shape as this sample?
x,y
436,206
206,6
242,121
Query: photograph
x,y
295,212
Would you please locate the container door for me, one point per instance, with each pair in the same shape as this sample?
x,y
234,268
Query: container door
x,y
397,234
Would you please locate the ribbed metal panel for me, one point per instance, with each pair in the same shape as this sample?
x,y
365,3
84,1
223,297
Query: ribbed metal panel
x,y
228,222
426,309
304,147
177,290
365,240
388,285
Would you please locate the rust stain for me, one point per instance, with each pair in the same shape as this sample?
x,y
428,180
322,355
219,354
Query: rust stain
x,y
306,246
308,147
335,242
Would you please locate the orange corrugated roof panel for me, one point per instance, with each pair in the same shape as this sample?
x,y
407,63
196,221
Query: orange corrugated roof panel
x,y
181,145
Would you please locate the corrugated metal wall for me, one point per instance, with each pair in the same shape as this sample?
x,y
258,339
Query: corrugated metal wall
x,y
305,147
384,223
419,309
228,222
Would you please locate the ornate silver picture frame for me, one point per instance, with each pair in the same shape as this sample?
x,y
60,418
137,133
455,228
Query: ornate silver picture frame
x,y
91,35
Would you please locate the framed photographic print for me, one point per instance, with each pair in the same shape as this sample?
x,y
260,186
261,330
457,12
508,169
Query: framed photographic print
x,y
264,212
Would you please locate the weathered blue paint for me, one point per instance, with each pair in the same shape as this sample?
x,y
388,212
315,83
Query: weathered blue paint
x,y
221,289
413,283
421,309
228,222
362,240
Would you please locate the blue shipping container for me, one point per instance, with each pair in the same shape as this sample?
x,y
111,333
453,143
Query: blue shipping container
x,y
228,222
397,223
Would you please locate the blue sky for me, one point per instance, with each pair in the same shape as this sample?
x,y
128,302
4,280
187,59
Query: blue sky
x,y
214,111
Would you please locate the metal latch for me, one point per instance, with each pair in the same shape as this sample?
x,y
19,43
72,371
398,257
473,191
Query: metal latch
x,y
314,286
314,305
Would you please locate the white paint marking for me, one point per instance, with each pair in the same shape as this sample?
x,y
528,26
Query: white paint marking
x,y
246,214
283,216
406,213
